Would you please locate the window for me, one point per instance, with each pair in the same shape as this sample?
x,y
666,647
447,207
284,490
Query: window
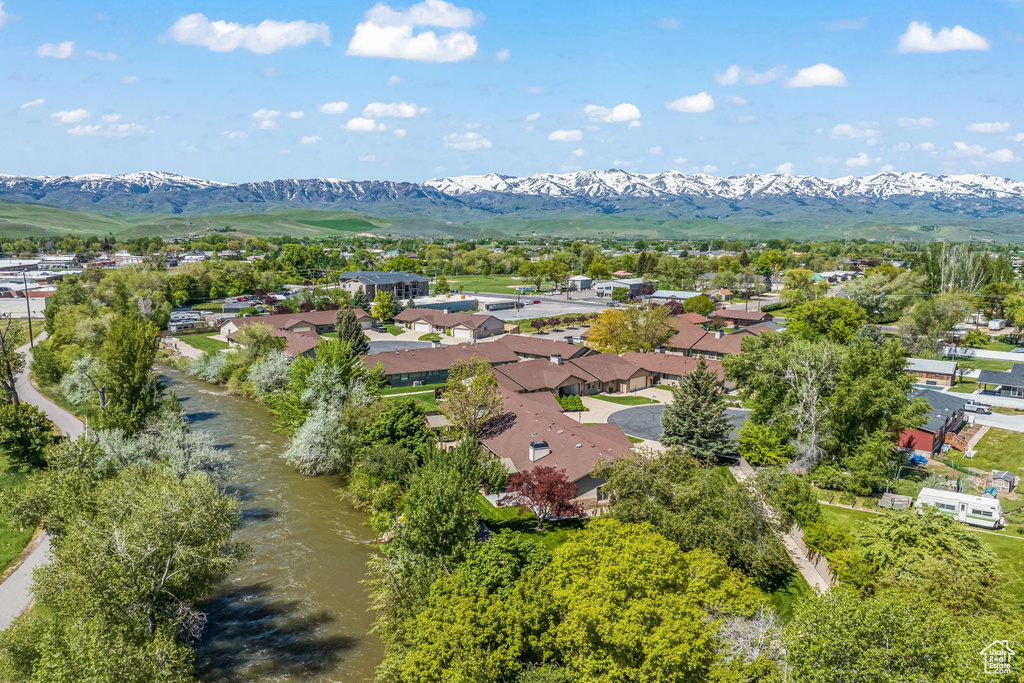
x,y
945,506
405,377
1017,391
981,513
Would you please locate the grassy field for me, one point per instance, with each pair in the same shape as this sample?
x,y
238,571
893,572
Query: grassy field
x,y
410,390
12,538
516,519
1000,449
785,598
431,336
624,400
998,346
1007,411
986,364
496,284
204,342
209,306
394,329
424,399
965,386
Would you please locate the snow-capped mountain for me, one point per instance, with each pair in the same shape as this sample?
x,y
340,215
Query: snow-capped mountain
x,y
671,194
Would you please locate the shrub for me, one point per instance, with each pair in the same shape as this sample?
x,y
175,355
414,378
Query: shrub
x,y
571,403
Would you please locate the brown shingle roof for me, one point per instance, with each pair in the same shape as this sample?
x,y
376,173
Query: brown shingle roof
x,y
538,346
541,374
606,367
442,319
692,318
744,316
533,421
422,360
670,364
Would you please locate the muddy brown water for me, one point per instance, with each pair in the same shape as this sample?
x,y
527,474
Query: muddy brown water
x,y
295,610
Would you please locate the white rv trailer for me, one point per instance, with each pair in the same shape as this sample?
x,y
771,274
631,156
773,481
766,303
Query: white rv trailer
x,y
974,510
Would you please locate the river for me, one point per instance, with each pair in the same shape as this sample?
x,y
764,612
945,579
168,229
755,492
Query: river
x,y
295,610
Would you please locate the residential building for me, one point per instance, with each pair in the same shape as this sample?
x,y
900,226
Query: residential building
x,y
933,372
741,319
945,416
527,347
316,322
662,296
399,285
719,295
665,368
552,376
605,287
1009,383
694,341
415,367
612,374
539,434
457,325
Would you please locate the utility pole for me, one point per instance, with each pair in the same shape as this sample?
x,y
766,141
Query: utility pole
x,y
28,306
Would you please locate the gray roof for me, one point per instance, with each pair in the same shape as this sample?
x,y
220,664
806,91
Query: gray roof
x,y
381,277
1004,475
942,406
940,367
1012,378
673,294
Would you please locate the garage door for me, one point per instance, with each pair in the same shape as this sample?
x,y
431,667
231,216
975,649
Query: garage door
x,y
638,383
462,333
422,327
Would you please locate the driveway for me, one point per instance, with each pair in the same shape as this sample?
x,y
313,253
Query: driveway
x,y
1013,423
396,345
645,421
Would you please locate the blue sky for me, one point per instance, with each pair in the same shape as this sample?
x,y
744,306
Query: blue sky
x,y
237,91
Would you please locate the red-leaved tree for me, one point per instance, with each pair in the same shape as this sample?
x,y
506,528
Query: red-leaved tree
x,y
543,490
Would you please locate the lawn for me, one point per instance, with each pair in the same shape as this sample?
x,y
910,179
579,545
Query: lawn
x,y
1000,449
204,342
986,364
1007,411
851,519
409,390
516,519
431,336
965,386
785,598
998,346
12,539
624,400
394,329
634,439
209,306
424,399
496,284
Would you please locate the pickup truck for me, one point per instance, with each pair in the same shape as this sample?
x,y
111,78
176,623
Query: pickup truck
x,y
973,406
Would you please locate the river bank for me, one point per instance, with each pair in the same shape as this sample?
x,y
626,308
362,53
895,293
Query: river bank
x,y
296,610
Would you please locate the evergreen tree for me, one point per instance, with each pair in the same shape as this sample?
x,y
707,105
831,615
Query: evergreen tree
x,y
349,330
696,417
359,300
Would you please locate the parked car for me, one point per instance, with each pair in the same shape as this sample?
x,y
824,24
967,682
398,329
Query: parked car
x,y
537,301
973,406
918,460
1019,349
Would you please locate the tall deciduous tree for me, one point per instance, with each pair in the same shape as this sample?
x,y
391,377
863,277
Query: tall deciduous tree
x,y
833,318
349,330
471,397
127,357
383,307
634,328
546,491
699,304
696,418
12,337
25,433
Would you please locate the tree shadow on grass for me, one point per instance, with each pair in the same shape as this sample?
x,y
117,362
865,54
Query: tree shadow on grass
x,y
251,636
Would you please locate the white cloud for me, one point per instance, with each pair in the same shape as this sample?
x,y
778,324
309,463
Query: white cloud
x,y
733,99
962,149
1019,137
669,23
265,119
990,127
263,38
110,118
333,108
819,75
465,143
734,74
1003,155
129,80
101,56
389,34
395,79
57,50
361,125
110,130
394,110
861,160
692,104
710,169
915,124
33,104
235,134
73,116
785,167
296,115
853,131
503,55
920,38
617,114
565,135
846,24
679,161
633,124
654,150
367,157
3,15
309,139
579,152
533,117
927,147
902,147
399,132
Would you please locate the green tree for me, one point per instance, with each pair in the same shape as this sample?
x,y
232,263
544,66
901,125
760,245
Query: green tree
x,y
127,359
696,418
259,341
635,328
12,362
401,424
349,330
976,338
471,398
761,445
359,300
790,494
620,294
699,304
383,307
832,318
441,285
25,434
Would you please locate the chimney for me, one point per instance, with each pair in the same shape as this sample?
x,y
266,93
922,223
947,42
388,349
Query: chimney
x,y
659,349
718,334
538,449
556,358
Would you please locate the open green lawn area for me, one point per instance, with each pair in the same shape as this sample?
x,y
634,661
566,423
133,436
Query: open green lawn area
x,y
516,519
851,519
496,284
409,390
424,399
204,342
998,346
1000,449
965,386
986,364
12,539
431,336
634,439
1007,411
624,400
209,306
784,599
394,329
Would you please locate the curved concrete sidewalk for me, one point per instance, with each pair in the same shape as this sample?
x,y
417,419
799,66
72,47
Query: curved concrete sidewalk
x,y
16,590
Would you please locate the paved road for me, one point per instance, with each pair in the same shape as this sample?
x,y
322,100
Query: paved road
x,y
1013,423
15,592
994,355
645,421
